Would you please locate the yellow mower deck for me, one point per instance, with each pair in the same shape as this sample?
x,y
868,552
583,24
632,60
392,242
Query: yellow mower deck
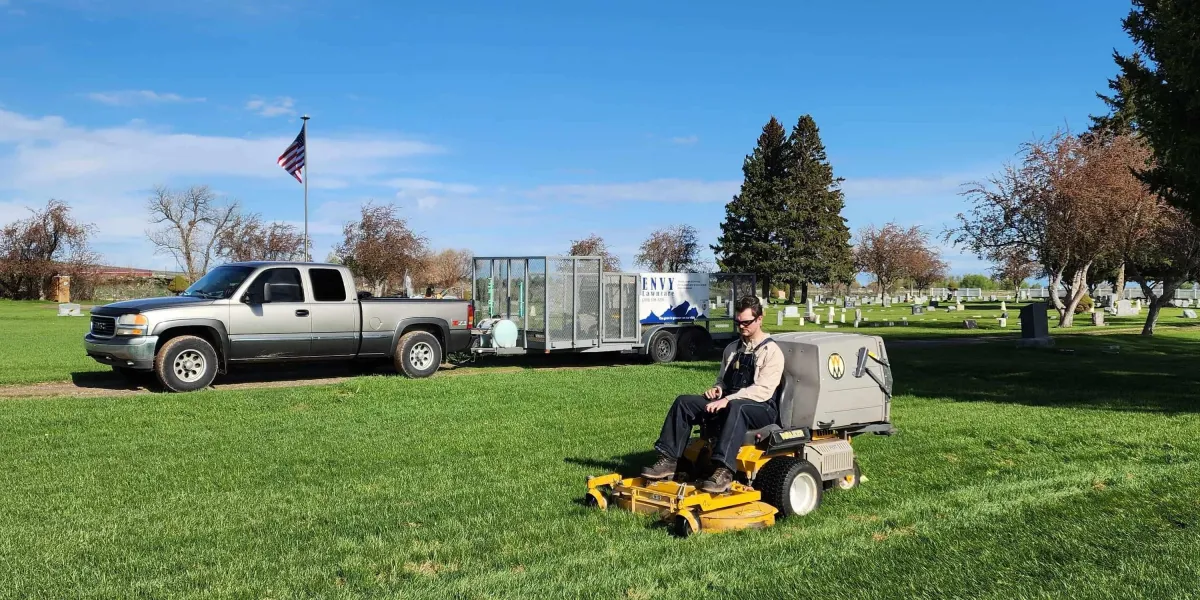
x,y
739,508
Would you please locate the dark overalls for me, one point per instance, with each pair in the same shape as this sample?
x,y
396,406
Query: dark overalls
x,y
738,417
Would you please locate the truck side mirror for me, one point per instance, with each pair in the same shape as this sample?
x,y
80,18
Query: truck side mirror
x,y
861,367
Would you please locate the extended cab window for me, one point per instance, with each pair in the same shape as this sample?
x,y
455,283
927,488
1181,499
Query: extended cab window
x,y
285,286
327,285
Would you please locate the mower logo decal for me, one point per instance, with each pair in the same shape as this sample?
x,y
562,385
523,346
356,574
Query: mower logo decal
x,y
837,366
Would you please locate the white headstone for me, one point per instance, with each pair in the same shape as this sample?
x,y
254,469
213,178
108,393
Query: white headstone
x,y
779,318
1189,313
1003,306
1003,322
830,314
858,314
790,311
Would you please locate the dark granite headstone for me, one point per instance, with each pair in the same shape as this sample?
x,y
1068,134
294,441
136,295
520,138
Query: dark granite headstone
x,y
1033,321
917,309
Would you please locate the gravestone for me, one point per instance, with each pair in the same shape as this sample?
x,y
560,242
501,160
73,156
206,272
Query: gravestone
x,y
810,314
1098,318
969,324
1035,331
1003,306
791,311
779,319
830,313
1125,309
1003,322
68,309
858,314
887,301
847,302
1189,313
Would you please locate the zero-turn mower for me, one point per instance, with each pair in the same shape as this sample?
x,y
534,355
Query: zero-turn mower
x,y
784,468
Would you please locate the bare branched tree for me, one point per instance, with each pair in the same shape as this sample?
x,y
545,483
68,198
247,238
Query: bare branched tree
x,y
447,269
890,253
48,243
594,245
380,248
670,250
193,221
248,238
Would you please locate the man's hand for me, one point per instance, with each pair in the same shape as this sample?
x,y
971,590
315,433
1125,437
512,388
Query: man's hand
x,y
716,405
713,393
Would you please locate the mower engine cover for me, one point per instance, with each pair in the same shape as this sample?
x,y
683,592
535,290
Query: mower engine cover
x,y
828,391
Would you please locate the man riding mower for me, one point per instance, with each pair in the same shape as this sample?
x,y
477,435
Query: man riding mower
x,y
775,431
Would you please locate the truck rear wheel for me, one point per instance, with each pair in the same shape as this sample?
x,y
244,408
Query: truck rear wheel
x,y
185,364
418,354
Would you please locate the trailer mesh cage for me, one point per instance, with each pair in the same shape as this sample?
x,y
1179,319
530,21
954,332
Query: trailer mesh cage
x,y
558,301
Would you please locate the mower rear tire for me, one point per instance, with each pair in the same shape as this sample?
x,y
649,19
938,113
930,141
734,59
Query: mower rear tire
x,y
792,485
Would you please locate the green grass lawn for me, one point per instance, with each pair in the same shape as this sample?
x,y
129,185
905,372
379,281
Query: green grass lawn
x,y
1017,473
37,345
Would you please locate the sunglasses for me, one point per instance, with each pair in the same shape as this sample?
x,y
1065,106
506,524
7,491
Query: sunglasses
x,y
741,323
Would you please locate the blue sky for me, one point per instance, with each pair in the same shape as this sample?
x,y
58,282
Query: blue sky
x,y
513,128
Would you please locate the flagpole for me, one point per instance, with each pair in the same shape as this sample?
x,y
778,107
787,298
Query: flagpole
x,y
307,258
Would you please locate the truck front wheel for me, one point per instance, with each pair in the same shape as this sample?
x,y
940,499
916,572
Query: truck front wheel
x,y
185,364
418,354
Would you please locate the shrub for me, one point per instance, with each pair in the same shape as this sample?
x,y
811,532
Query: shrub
x,y
1085,304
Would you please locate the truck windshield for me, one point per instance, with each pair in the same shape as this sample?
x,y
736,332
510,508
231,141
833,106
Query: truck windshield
x,y
219,283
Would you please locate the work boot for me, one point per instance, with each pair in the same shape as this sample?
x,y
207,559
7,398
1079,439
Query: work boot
x,y
719,482
665,467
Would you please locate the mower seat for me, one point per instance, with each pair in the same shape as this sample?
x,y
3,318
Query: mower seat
x,y
784,394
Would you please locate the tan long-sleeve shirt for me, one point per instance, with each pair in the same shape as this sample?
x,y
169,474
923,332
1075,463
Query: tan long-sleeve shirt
x,y
768,370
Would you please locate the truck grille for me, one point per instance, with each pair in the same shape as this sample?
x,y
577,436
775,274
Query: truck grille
x,y
104,326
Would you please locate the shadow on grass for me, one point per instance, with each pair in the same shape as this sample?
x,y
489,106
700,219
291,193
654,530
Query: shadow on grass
x,y
1112,372
628,465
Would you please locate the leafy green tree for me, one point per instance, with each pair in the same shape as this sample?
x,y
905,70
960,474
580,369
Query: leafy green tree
x,y
747,242
1166,92
814,236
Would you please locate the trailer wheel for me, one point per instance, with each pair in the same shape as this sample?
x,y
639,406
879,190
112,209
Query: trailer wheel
x,y
663,347
792,485
418,354
691,344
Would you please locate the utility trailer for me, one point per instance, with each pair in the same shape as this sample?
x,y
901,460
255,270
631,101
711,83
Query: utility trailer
x,y
550,304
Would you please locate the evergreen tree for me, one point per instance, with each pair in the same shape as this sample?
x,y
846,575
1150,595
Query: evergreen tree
x,y
747,240
1167,91
814,236
1122,116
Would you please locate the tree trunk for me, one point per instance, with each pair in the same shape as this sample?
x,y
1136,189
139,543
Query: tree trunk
x,y
803,293
1055,279
1077,290
791,292
1152,315
1119,286
766,287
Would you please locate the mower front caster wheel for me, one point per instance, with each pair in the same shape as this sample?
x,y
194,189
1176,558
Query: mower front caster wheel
x,y
684,524
595,499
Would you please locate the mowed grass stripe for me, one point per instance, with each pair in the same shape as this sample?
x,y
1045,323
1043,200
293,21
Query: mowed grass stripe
x,y
468,487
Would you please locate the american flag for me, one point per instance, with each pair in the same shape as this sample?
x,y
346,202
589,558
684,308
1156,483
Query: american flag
x,y
292,159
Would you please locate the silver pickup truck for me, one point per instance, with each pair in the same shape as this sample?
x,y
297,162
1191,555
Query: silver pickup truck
x,y
256,312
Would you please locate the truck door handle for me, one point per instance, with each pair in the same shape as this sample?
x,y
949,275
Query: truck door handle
x,y
302,313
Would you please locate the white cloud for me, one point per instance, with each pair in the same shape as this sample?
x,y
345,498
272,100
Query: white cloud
x,y
105,174
895,187
658,190
274,108
410,186
132,97
685,140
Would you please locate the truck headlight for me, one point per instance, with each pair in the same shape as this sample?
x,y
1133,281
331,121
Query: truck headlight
x,y
132,325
